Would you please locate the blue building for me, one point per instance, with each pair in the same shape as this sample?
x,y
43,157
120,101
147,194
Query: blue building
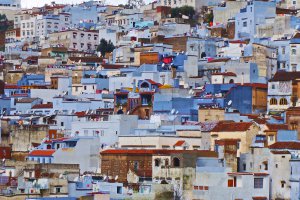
x,y
235,96
31,79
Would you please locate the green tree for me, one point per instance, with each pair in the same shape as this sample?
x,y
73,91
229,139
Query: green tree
x,y
209,17
185,10
105,47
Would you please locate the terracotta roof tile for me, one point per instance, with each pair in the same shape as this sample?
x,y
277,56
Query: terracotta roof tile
x,y
26,100
280,152
111,66
276,127
86,59
12,87
259,198
179,143
218,60
225,74
42,153
285,76
43,106
285,145
153,82
231,126
202,153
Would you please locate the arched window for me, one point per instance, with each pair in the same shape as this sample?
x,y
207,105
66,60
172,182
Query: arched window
x,y
273,101
176,162
156,162
145,85
283,101
231,81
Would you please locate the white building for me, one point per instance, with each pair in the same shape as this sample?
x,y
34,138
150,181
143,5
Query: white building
x,y
75,40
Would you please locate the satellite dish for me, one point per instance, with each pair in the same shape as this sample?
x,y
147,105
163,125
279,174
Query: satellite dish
x,y
190,91
176,112
229,102
105,177
163,65
172,111
116,178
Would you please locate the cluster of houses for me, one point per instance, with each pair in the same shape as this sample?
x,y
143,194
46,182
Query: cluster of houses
x,y
201,106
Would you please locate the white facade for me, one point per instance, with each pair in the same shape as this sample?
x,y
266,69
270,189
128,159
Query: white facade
x,y
107,131
75,39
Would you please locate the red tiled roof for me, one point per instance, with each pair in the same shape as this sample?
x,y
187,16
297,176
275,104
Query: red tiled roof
x,y
225,74
239,42
56,140
202,153
42,153
247,173
259,198
219,60
276,127
11,87
42,106
26,100
255,85
231,126
285,145
285,76
80,114
260,121
111,66
251,116
153,82
277,117
86,59
280,152
286,11
227,141
179,143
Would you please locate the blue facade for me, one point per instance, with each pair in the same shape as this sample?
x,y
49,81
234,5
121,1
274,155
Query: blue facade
x,y
31,79
5,106
219,95
287,135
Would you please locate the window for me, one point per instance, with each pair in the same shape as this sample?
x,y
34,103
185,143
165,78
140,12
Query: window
x,y
283,101
282,184
273,86
119,190
283,50
271,137
244,166
273,101
156,162
136,165
244,24
231,182
57,190
294,51
86,132
294,2
61,123
258,183
176,162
